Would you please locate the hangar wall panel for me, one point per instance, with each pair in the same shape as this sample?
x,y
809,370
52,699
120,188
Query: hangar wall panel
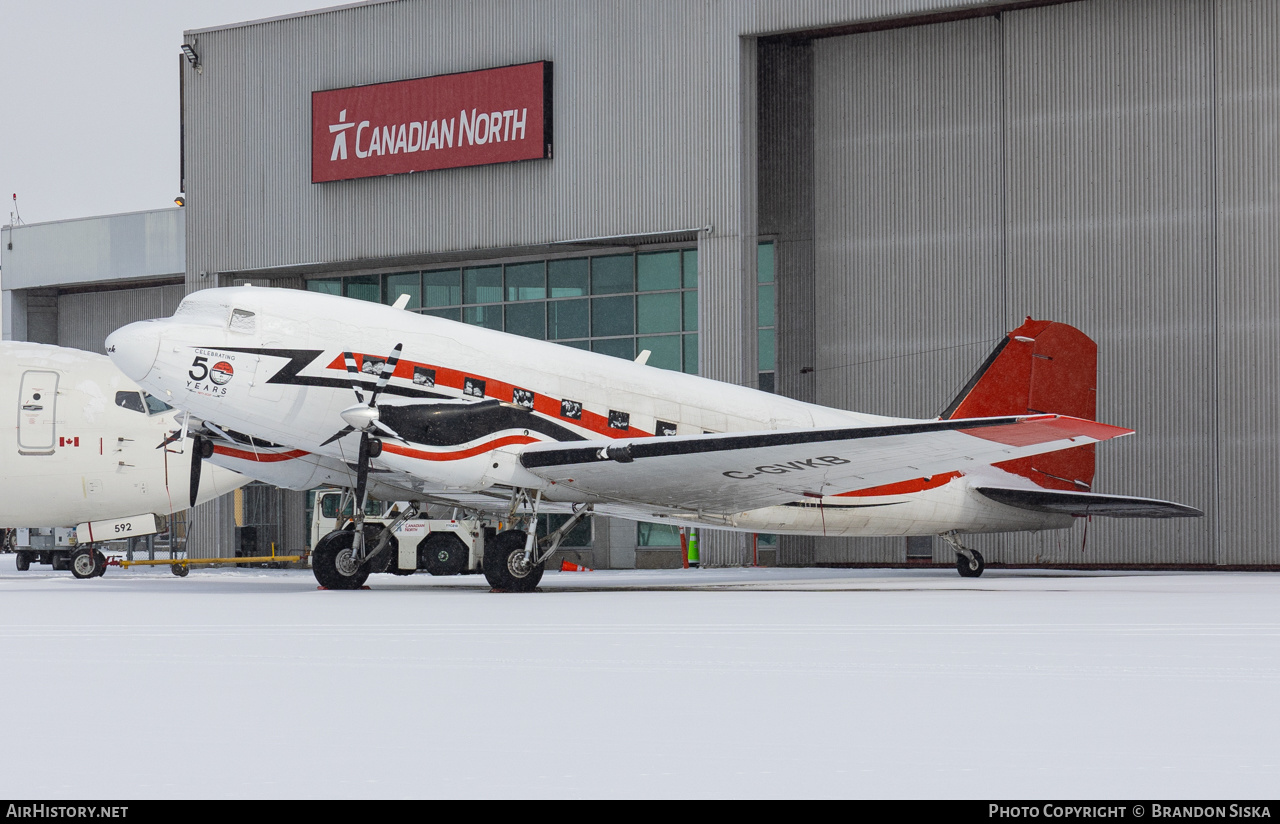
x,y
1247,374
1109,193
907,223
86,318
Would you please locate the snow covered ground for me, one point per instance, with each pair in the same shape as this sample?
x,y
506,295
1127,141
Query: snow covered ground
x,y
743,683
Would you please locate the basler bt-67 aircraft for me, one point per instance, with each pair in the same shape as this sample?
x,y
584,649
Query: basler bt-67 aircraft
x,y
306,389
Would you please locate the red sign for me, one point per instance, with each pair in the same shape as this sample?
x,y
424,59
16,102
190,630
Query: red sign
x,y
470,119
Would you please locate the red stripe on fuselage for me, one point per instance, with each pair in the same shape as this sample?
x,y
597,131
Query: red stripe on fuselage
x,y
499,390
903,487
259,457
457,455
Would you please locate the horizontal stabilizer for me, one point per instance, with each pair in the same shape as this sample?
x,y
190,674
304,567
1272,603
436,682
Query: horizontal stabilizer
x,y
1082,504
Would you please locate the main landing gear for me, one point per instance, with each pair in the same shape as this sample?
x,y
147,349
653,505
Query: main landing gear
x,y
338,563
969,562
515,560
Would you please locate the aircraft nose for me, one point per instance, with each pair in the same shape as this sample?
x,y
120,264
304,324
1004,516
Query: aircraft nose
x,y
133,348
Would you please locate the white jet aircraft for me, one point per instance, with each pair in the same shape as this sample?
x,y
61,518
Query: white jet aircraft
x,y
307,389
91,450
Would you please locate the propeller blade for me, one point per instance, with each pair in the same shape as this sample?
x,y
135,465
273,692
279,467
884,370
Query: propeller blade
x,y
350,360
388,369
362,470
197,458
378,423
341,433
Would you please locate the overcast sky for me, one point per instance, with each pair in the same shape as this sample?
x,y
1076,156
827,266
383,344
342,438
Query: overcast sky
x,y
89,100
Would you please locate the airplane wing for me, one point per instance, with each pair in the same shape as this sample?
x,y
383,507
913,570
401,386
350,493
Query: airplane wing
x,y
1081,504
728,473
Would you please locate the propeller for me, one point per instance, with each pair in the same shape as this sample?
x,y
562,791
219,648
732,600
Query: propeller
x,y
201,448
363,417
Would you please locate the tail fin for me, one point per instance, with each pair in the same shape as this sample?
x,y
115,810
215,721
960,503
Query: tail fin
x,y
1040,367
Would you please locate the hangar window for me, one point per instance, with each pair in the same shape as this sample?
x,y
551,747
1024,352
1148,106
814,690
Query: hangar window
x,y
615,304
766,315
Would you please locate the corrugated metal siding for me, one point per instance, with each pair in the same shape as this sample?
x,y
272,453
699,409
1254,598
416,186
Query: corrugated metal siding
x,y
1109,191
1247,161
908,223
86,318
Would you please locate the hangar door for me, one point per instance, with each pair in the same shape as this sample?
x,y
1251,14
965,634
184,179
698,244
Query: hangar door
x,y
86,318
1053,162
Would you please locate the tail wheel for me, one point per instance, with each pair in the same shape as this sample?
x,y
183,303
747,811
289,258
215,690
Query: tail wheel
x,y
333,565
504,565
970,568
443,553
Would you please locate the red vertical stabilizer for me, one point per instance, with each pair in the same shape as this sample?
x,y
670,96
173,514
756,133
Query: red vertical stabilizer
x,y
1040,367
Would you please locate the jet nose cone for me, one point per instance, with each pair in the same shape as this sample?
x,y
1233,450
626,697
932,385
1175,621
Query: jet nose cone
x,y
133,348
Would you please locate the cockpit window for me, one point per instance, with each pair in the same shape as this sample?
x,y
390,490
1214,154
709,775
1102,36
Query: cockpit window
x,y
242,320
131,401
155,406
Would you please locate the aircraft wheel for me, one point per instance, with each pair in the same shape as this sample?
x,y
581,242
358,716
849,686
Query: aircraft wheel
x,y
443,553
181,570
504,566
968,568
23,561
83,564
332,564
101,561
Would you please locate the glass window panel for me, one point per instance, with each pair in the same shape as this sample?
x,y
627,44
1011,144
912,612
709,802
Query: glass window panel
x,y
527,319
567,319
617,347
657,270
405,283
690,299
490,317
327,286
576,344
766,350
613,274
442,288
451,314
764,262
690,268
691,354
364,287
664,349
765,381
527,281
482,284
580,535
568,278
613,316
658,313
657,535
764,305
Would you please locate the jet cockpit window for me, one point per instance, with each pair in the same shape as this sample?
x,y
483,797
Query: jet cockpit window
x,y
131,401
155,406
242,320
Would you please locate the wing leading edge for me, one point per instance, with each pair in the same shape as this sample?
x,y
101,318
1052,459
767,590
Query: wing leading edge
x,y
729,473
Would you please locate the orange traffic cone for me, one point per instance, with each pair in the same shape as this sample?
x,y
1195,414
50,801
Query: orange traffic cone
x,y
568,566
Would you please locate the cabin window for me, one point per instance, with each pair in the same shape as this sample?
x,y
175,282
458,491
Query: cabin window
x,y
242,320
155,406
131,401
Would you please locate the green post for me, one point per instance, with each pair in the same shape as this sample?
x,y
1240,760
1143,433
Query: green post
x,y
693,547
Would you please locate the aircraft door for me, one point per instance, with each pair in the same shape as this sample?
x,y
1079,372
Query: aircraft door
x,y
37,408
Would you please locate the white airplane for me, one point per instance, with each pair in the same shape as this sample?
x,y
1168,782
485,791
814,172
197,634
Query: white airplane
x,y
86,452
309,389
